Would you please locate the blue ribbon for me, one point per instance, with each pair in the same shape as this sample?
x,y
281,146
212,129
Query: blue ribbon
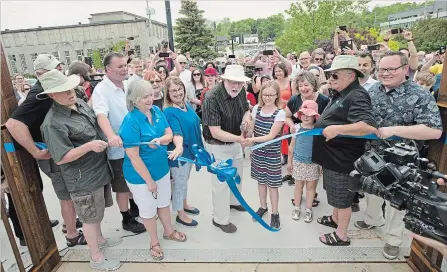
x,y
9,147
318,132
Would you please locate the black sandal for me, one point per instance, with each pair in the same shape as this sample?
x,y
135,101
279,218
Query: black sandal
x,y
78,240
78,226
327,221
332,239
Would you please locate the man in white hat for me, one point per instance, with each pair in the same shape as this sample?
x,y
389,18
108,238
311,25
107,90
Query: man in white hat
x,y
24,126
225,113
77,144
349,113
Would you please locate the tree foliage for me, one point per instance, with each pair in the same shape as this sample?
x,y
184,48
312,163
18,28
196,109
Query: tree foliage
x,y
430,34
192,34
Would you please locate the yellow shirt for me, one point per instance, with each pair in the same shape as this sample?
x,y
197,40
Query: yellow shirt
x,y
436,69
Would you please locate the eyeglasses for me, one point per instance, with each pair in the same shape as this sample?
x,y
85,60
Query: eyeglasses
x,y
389,70
269,95
335,76
154,81
196,74
318,59
176,91
162,72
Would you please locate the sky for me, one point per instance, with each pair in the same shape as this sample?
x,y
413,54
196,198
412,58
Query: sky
x,y
16,14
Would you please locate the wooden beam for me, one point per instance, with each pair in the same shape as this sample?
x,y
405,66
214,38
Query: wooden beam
x,y
12,240
425,258
23,176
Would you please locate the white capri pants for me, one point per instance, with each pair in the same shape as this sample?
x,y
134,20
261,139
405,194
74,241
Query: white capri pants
x,y
145,200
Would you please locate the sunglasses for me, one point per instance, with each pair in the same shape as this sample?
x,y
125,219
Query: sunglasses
x,y
196,74
318,59
162,72
154,81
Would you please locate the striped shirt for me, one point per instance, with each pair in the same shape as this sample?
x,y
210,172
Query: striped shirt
x,y
221,110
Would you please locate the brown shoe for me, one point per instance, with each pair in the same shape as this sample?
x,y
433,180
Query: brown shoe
x,y
229,228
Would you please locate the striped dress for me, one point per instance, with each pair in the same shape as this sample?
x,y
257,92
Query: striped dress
x,y
266,161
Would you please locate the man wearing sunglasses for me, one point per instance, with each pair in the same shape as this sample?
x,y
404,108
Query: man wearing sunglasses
x,y
348,113
402,108
81,69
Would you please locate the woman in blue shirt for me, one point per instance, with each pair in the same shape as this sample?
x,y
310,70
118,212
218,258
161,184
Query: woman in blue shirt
x,y
185,125
145,166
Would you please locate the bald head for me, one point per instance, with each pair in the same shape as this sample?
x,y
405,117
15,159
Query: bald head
x,y
304,59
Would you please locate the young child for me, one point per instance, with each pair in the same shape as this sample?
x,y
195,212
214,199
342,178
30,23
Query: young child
x,y
300,161
427,80
268,120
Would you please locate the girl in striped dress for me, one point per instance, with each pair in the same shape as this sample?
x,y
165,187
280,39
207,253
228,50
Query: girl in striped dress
x,y
268,118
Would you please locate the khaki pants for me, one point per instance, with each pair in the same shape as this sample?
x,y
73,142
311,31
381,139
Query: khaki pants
x,y
222,196
394,222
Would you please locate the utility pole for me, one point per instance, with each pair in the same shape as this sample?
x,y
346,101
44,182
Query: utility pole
x,y
169,22
232,46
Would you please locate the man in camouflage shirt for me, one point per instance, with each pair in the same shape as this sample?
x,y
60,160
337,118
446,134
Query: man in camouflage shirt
x,y
404,109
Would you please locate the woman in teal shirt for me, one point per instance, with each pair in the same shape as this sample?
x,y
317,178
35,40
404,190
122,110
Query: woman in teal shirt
x,y
145,166
185,125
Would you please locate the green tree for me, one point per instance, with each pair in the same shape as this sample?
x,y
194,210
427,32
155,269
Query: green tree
x,y
97,60
271,27
240,27
223,28
191,33
430,34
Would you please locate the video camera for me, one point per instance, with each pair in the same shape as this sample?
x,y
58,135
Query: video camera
x,y
405,180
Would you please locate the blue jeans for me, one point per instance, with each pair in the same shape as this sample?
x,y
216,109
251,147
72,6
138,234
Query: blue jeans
x,y
180,176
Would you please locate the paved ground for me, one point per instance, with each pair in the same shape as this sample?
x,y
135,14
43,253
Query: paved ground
x,y
297,242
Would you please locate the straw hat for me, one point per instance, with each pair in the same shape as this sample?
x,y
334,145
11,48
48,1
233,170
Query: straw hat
x,y
56,82
345,62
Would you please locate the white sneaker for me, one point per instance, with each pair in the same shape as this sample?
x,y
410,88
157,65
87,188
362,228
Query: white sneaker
x,y
296,213
308,216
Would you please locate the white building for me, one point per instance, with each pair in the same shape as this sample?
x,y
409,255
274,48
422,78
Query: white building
x,y
74,42
250,38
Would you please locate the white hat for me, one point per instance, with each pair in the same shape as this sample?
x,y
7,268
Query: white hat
x,y
56,82
181,58
46,61
345,62
235,73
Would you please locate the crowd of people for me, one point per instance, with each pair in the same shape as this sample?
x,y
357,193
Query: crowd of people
x,y
125,135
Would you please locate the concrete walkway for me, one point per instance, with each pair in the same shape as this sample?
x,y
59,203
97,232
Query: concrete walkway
x,y
296,242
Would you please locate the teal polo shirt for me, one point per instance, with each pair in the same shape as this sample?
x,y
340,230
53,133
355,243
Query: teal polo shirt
x,y
135,129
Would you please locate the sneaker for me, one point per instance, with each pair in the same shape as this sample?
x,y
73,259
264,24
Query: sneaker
x,y
355,207
134,226
308,216
134,213
23,242
105,265
363,226
275,222
390,252
229,228
296,213
261,212
238,208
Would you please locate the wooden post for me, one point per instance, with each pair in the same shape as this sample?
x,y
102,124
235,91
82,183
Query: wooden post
x,y
424,258
22,174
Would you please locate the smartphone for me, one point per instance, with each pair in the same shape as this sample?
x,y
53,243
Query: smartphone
x,y
342,28
267,52
396,30
373,47
163,55
344,44
442,50
231,56
130,38
130,52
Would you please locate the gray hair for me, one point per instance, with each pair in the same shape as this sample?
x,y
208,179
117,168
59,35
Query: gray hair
x,y
136,91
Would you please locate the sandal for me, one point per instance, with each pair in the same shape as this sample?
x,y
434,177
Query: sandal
x,y
159,255
327,221
174,238
332,239
78,240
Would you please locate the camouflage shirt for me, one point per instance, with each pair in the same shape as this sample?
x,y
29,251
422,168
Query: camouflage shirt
x,y
407,105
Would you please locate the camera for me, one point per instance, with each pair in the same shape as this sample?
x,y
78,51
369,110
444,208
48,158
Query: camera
x,y
342,28
373,47
396,30
94,80
405,180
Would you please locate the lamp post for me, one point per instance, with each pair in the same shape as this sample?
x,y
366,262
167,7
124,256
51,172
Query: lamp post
x,y
232,46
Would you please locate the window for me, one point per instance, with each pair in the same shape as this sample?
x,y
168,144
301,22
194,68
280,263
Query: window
x,y
67,57
33,56
79,55
90,52
23,63
138,51
56,55
12,63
